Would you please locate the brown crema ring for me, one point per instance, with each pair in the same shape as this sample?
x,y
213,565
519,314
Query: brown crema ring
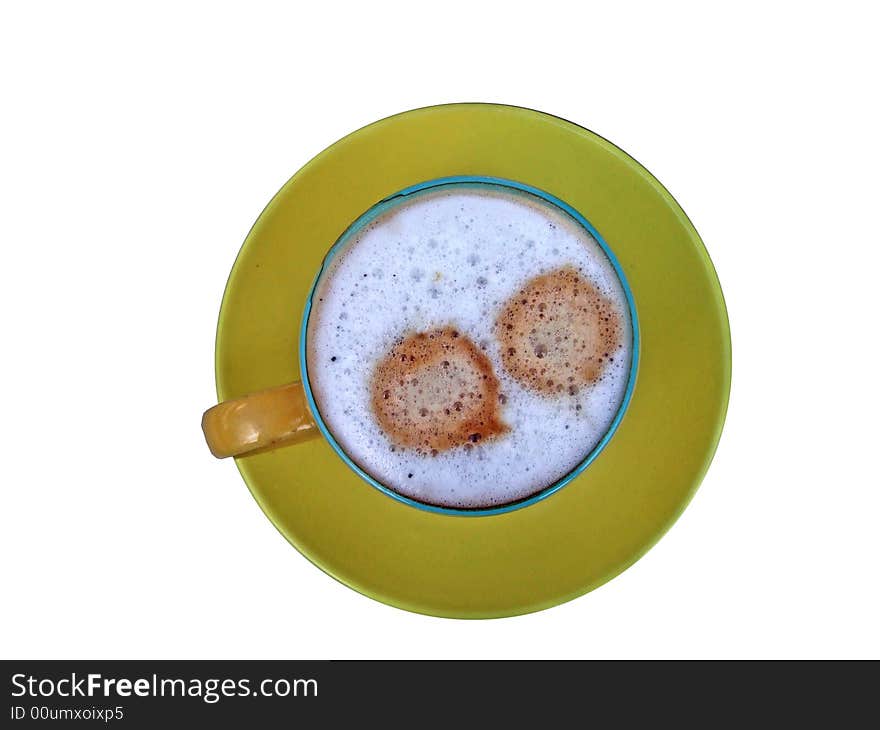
x,y
558,333
435,391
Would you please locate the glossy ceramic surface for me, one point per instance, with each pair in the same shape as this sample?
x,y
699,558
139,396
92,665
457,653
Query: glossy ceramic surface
x,y
609,515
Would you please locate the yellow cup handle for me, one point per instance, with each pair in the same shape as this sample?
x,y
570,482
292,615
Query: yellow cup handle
x,y
264,420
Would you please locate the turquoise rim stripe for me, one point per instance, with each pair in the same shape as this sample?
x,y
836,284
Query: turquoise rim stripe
x,y
371,215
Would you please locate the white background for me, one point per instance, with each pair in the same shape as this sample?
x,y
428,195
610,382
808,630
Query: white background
x,y
139,145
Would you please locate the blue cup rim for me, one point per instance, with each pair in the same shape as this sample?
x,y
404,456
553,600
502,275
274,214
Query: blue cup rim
x,y
370,215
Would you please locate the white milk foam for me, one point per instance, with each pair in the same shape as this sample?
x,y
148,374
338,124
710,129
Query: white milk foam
x,y
453,255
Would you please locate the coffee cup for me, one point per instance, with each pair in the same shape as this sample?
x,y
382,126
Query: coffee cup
x,y
468,346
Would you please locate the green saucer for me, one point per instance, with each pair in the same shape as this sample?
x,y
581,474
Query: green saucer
x,y
609,515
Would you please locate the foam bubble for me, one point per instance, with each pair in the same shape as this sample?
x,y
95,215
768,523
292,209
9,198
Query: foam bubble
x,y
455,257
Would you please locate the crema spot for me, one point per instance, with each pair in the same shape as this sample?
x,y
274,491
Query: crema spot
x,y
417,386
558,329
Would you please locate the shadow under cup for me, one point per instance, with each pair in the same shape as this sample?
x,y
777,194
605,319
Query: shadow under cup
x,y
484,184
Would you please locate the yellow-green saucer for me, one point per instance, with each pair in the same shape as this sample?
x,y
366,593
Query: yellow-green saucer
x,y
608,516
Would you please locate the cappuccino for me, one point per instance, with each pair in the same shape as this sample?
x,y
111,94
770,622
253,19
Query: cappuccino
x,y
469,346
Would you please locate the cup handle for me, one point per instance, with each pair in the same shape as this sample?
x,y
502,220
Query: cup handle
x,y
258,421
